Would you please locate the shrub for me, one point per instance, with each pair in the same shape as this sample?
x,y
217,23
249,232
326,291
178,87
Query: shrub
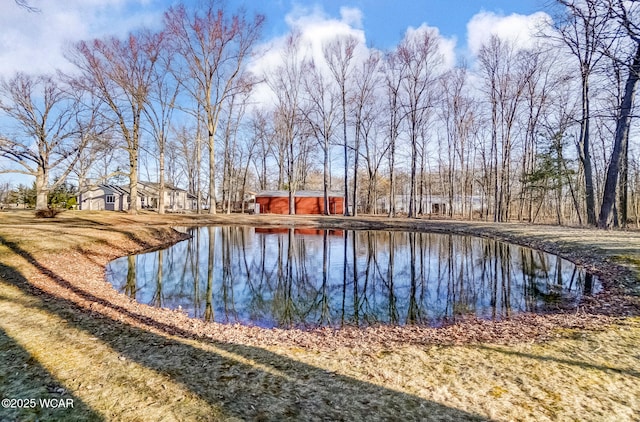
x,y
47,213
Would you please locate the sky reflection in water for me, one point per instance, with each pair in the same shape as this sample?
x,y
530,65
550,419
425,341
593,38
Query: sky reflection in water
x,y
306,277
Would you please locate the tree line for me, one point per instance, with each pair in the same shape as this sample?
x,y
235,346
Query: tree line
x,y
535,133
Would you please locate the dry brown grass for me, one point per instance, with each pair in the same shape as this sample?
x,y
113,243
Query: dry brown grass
x,y
64,332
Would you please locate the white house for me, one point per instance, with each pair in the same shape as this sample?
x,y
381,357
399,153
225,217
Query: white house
x,y
116,198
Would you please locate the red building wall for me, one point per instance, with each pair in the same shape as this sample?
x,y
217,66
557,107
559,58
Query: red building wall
x,y
304,205
312,205
273,204
336,205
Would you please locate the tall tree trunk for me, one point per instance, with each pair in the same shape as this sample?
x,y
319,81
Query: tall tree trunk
x,y
355,169
623,208
622,136
494,158
212,169
291,174
161,186
42,193
585,154
346,152
325,177
133,181
392,179
198,168
412,183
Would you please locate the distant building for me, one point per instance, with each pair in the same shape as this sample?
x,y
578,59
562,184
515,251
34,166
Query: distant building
x,y
306,202
116,198
431,204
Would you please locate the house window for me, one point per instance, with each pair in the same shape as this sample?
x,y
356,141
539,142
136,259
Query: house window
x,y
110,199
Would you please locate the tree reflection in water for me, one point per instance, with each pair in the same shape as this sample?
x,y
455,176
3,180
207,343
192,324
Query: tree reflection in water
x,y
310,277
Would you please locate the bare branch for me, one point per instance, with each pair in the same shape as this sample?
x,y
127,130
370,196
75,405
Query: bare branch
x,y
25,5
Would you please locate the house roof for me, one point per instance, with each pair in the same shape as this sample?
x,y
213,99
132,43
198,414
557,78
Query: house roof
x,y
144,188
297,194
120,190
167,186
115,189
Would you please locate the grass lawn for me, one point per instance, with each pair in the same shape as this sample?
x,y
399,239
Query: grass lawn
x,y
66,335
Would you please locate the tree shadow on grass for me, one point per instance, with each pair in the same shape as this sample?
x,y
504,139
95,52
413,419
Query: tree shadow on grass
x,y
244,382
22,377
571,362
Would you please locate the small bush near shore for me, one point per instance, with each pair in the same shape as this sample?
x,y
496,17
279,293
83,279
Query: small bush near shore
x,y
47,213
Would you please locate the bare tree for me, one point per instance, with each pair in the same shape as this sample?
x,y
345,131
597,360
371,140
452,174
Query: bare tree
x,y
635,189
120,73
52,129
231,121
583,30
546,98
5,194
163,92
420,55
505,82
286,83
339,54
367,106
186,145
27,6
394,71
214,47
321,117
457,109
628,15
99,161
366,79
263,135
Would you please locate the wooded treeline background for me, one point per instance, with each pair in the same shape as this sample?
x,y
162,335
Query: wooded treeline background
x,y
542,133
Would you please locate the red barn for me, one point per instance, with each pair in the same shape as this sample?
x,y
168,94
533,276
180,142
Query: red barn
x,y
306,202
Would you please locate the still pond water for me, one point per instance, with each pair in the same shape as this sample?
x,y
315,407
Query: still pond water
x,y
307,277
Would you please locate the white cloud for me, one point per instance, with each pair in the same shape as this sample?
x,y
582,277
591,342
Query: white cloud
x,y
447,46
520,29
351,16
315,28
35,42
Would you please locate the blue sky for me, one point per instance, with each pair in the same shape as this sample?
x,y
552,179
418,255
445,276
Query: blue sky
x,y
385,22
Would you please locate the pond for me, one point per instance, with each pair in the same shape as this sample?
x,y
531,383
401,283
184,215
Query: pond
x,y
302,277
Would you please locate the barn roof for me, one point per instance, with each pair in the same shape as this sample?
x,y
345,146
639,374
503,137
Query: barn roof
x,y
297,194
